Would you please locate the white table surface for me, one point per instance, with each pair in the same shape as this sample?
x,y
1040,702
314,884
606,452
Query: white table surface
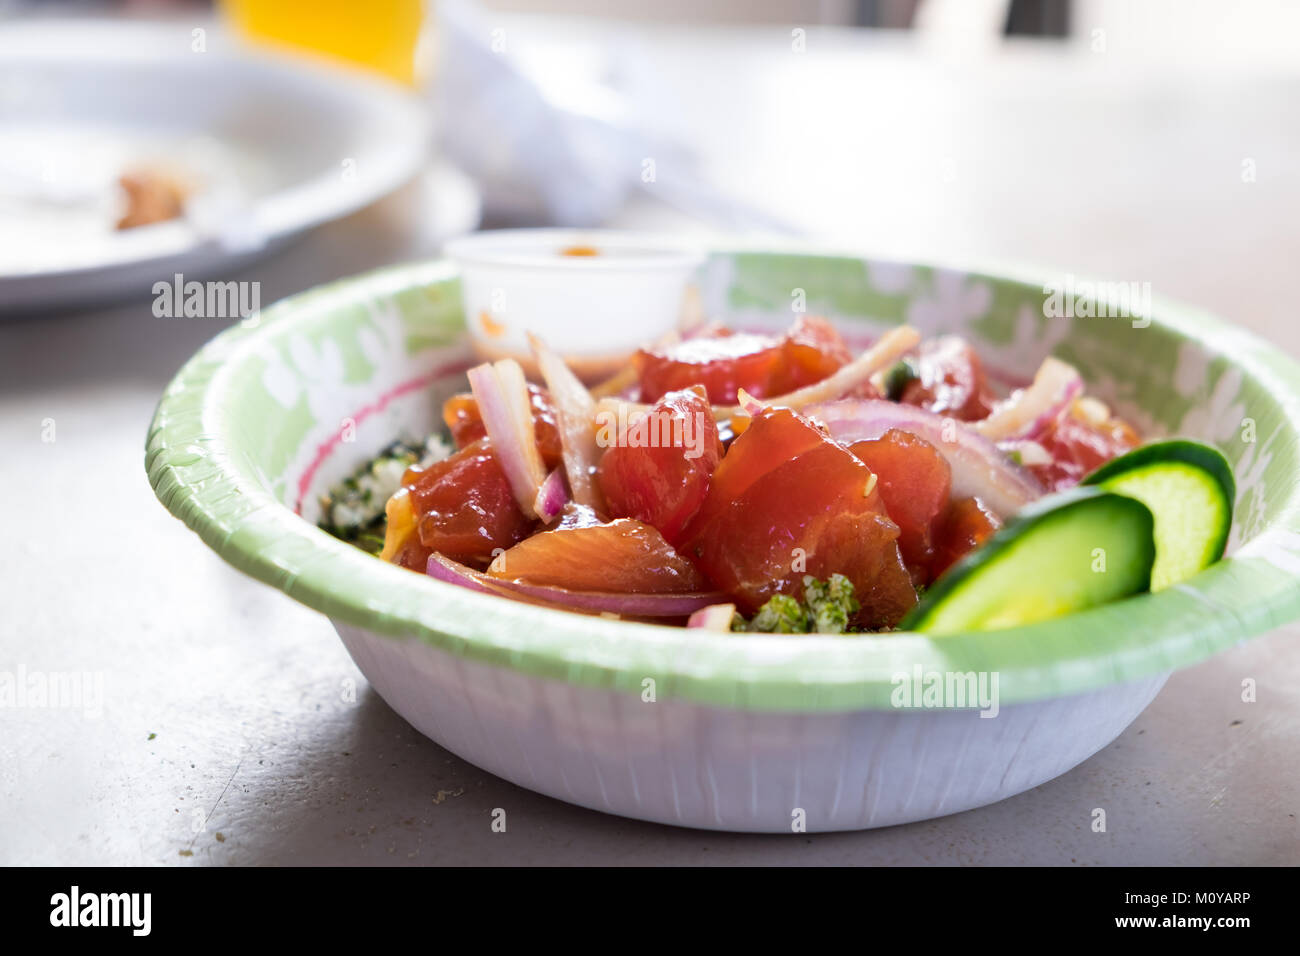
x,y
227,735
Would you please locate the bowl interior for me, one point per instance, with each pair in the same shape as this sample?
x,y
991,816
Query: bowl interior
x,y
265,418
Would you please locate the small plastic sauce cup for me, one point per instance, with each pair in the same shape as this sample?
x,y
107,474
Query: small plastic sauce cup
x,y
592,296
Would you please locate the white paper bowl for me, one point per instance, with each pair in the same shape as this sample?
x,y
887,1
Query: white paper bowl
x,y
738,732
673,761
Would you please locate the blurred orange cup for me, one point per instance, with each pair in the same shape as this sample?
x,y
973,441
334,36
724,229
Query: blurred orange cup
x,y
382,35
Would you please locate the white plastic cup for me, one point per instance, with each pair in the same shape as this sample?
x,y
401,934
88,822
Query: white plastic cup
x,y
595,308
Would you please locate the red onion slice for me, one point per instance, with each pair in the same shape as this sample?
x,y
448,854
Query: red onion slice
x,y
589,602
575,410
608,602
979,468
504,403
715,617
748,403
551,497
453,572
1028,412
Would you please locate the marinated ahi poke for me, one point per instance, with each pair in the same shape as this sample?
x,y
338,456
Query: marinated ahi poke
x,y
748,482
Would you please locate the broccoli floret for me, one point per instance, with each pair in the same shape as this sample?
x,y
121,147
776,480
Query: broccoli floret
x,y
831,605
827,608
781,614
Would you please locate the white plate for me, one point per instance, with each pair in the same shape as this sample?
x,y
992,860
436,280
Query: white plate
x,y
276,144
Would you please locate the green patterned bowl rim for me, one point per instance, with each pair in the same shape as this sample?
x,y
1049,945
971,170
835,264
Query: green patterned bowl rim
x,y
201,474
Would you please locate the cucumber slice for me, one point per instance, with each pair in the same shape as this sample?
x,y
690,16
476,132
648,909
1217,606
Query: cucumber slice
x,y
1063,553
1190,489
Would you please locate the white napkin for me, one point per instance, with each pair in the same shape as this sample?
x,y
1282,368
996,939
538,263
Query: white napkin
x,y
529,155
